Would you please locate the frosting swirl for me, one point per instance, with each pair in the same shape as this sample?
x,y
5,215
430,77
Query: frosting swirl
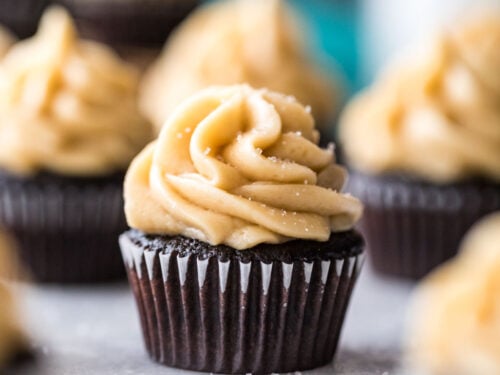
x,y
435,114
67,106
231,42
239,166
455,321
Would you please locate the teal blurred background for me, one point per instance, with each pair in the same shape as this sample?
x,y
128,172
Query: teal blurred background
x,y
334,26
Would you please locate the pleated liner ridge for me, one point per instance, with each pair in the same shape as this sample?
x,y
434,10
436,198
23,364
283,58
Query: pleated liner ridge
x,y
66,229
235,317
413,226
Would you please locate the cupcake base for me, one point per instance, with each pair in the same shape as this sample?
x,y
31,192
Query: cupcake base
x,y
136,22
215,309
65,228
413,226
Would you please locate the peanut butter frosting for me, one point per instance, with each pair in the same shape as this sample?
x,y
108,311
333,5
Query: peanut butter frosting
x,y
239,166
258,42
67,106
6,41
435,114
455,321
12,338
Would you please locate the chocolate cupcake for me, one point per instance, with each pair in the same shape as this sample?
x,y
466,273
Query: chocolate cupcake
x,y
137,29
258,42
425,144
13,342
242,257
69,126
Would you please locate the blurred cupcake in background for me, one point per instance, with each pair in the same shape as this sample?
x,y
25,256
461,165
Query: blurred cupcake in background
x,y
259,42
137,29
425,144
454,321
69,126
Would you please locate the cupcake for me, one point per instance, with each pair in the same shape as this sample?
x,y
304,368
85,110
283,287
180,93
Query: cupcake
x,y
424,143
258,42
69,127
242,256
454,324
137,29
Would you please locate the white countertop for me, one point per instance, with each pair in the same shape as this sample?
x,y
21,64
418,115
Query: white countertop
x,y
95,330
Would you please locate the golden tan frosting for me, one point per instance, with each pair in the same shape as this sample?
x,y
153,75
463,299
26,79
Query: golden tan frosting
x,y
239,166
6,41
66,105
455,321
11,336
238,41
435,114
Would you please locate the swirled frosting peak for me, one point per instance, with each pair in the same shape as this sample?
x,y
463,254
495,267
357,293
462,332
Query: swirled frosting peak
x,y
435,114
67,106
455,320
239,166
231,42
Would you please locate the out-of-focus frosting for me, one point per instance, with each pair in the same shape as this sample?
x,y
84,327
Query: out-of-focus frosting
x,y
239,166
455,320
436,114
6,41
237,41
67,106
12,338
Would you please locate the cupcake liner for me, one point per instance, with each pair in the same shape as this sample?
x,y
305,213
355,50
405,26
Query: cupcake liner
x,y
21,17
65,228
207,313
413,226
129,22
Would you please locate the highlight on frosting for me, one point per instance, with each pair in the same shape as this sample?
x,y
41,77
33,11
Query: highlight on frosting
x,y
434,114
258,42
454,326
66,105
239,166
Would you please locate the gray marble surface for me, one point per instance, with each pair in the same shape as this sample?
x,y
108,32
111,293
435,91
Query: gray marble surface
x,y
95,330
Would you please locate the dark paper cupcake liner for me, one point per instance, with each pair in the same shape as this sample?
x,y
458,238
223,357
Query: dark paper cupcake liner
x,y
129,22
65,228
413,226
207,313
22,17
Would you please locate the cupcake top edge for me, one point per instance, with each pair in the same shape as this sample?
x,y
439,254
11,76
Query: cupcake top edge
x,y
67,106
454,319
238,166
433,114
259,42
